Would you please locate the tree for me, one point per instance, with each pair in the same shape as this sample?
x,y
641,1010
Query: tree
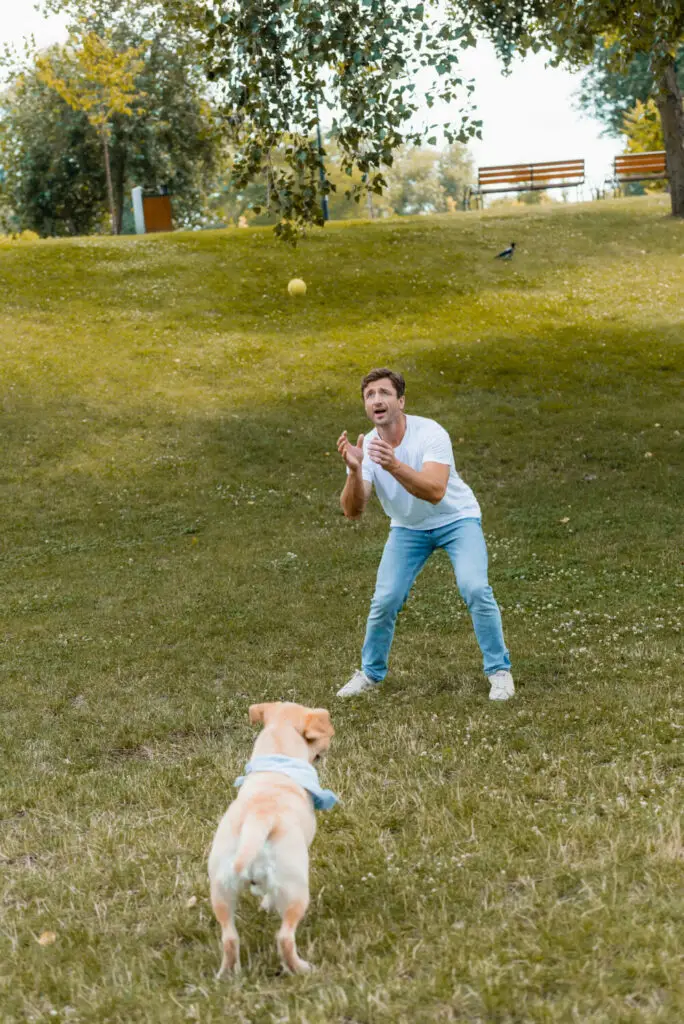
x,y
456,172
571,28
53,158
100,81
419,181
178,141
413,183
280,63
53,176
608,91
643,128
644,133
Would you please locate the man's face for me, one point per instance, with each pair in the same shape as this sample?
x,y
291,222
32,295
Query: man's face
x,y
383,407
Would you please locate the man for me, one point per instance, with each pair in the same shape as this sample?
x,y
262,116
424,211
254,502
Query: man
x,y
410,461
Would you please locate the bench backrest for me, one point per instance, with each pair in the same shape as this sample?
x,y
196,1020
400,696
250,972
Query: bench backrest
x,y
641,166
520,177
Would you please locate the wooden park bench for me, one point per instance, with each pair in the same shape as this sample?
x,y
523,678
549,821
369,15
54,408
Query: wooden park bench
x,y
529,177
630,167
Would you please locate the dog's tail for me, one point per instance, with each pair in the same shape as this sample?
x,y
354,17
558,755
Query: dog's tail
x,y
255,831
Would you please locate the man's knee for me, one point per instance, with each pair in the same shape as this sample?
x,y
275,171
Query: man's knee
x,y
386,604
475,592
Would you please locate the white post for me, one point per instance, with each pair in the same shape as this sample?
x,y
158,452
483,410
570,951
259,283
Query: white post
x,y
138,212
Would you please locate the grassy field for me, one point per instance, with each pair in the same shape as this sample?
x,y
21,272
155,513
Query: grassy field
x,y
173,550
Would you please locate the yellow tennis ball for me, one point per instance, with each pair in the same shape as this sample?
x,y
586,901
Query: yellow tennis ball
x,y
296,286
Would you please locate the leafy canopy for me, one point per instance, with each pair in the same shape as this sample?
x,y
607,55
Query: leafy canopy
x,y
282,64
100,80
610,88
53,176
55,182
570,28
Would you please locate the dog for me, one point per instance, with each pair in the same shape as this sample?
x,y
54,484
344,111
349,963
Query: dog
x,y
264,837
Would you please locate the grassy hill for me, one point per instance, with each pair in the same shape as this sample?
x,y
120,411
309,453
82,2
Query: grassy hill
x,y
172,551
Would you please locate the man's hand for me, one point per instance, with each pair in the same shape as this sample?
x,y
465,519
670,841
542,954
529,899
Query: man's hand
x,y
382,453
352,455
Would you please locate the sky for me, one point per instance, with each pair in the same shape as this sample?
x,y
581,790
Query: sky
x,y
530,116
527,116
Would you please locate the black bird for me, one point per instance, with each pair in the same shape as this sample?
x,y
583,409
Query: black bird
x,y
507,254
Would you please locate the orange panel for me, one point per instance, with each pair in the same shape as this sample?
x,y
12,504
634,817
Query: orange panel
x,y
506,168
497,179
551,176
632,168
157,211
640,163
640,159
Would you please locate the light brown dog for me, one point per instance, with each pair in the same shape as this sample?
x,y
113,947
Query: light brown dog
x,y
264,837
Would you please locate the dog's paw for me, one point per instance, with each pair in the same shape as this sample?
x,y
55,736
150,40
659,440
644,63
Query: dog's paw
x,y
303,967
224,973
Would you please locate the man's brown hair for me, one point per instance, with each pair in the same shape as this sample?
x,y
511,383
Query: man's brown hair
x,y
396,378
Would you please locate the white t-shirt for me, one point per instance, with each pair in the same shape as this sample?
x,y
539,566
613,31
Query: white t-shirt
x,y
424,441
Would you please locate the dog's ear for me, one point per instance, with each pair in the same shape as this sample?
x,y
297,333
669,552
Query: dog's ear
x,y
259,713
317,725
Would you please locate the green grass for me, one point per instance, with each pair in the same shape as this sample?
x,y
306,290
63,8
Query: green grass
x,y
173,550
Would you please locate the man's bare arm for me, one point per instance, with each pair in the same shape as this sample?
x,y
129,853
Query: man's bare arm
x,y
356,491
355,495
428,483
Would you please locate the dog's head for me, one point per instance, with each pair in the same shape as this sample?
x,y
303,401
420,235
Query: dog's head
x,y
312,723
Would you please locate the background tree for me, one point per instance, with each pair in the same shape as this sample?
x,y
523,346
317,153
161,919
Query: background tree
x,y
456,172
280,61
99,80
177,142
55,182
53,174
281,64
608,91
571,28
413,183
642,127
419,181
643,133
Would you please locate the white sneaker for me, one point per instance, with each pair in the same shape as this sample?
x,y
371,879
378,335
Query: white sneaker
x,y
357,684
502,687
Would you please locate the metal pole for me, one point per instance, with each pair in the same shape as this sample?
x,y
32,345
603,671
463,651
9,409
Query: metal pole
x,y
324,198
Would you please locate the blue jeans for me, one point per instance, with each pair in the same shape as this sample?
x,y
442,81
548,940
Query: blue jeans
x,y
405,554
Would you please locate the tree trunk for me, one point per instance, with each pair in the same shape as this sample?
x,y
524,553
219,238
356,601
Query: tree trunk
x,y
108,175
669,101
120,176
118,165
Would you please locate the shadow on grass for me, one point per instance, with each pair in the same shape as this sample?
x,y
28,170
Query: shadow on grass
x,y
147,553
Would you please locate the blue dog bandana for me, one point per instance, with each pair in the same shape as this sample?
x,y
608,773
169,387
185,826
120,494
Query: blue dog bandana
x,y
301,772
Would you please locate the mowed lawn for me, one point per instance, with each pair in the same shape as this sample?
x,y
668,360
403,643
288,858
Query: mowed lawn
x,y
172,550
